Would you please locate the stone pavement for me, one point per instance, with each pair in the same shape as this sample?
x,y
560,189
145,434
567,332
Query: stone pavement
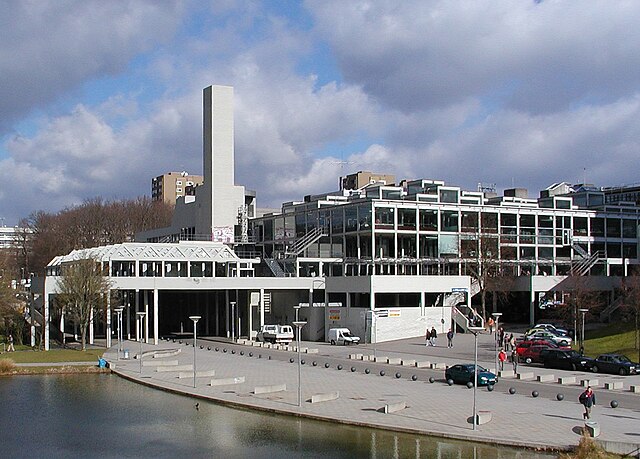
x,y
431,408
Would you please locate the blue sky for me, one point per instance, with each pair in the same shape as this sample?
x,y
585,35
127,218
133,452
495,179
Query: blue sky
x,y
96,98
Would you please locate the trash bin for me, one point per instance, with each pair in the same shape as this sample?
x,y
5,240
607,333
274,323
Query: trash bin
x,y
126,354
102,363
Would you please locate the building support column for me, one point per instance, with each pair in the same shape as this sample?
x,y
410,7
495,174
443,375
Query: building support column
x,y
108,321
91,331
532,302
45,320
156,319
146,317
227,308
261,307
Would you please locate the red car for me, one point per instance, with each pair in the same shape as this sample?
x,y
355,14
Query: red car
x,y
532,353
524,345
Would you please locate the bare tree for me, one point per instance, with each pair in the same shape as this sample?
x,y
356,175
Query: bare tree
x,y
631,305
82,290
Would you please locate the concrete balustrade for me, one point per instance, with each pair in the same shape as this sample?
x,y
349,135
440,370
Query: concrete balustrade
x,y
168,369
199,374
227,381
159,363
326,397
270,389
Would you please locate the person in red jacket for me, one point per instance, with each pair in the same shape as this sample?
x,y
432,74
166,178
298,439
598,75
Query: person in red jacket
x,y
502,356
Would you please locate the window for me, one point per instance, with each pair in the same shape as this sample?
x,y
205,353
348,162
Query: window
x,y
630,228
406,219
175,269
469,222
351,218
527,221
597,227
489,222
580,226
384,217
428,220
364,217
428,246
449,196
449,221
508,220
201,268
613,227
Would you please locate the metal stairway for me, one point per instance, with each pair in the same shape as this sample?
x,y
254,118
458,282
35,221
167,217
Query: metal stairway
x,y
582,267
605,315
305,241
275,267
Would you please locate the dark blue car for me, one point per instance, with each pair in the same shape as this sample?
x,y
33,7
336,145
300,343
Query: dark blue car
x,y
616,364
462,373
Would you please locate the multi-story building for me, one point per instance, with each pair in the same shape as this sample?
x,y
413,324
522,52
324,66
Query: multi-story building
x,y
173,185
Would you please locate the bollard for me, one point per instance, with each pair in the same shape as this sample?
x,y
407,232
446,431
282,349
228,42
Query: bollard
x,y
534,394
291,360
381,372
367,371
314,363
560,397
339,367
353,369
512,390
432,379
469,385
398,375
302,362
250,354
326,365
414,378
614,404
450,382
490,387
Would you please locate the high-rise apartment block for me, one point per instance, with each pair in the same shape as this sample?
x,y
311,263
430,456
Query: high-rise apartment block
x,y
173,185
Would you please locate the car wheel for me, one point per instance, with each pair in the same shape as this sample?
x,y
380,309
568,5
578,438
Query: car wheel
x,y
594,368
527,360
622,372
333,342
564,343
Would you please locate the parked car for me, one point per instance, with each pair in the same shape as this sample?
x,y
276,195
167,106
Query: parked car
x,y
552,328
462,373
524,345
342,336
565,359
275,334
615,364
547,335
531,354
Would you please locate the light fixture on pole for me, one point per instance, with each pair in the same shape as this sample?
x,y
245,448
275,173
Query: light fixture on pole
x,y
297,309
496,318
195,321
584,312
141,316
118,311
475,331
299,326
233,321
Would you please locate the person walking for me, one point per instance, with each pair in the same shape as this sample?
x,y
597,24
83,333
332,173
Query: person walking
x,y
427,337
434,336
490,324
450,338
587,399
515,358
10,348
502,356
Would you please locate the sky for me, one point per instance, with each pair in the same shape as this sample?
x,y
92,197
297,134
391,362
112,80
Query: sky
x,y
97,98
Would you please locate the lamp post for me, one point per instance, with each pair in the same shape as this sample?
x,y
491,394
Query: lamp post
x,y
475,331
297,309
496,318
195,321
584,312
299,326
141,315
233,321
118,311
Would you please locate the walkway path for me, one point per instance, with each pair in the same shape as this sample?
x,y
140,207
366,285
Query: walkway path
x,y
431,408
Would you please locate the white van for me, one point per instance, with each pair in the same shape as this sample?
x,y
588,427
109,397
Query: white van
x,y
342,336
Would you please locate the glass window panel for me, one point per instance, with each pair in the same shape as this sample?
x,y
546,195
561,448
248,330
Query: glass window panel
x,y
406,219
629,228
428,220
597,227
449,221
580,226
613,227
489,221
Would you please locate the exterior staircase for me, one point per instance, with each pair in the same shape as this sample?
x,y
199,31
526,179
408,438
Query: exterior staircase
x,y
275,267
582,266
305,241
605,315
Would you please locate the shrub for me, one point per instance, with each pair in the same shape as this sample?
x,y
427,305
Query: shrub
x,y
7,365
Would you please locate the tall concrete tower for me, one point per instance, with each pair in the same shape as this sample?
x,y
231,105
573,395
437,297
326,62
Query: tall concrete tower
x,y
218,199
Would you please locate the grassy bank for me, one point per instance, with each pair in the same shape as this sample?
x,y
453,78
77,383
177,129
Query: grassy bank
x,y
56,357
618,338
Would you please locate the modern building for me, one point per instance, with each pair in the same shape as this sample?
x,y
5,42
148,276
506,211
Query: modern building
x,y
173,185
386,260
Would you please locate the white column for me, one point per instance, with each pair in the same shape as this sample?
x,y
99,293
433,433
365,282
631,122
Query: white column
x,y
45,320
108,325
155,316
146,320
91,332
261,307
226,305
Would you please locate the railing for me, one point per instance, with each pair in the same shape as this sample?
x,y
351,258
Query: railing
x,y
582,267
306,240
605,315
275,267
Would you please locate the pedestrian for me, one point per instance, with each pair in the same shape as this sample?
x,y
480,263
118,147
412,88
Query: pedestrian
x,y
450,338
587,399
490,324
501,337
512,341
434,335
10,348
427,338
515,358
502,356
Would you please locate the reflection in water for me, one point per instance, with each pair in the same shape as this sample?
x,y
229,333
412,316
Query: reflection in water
x,y
106,416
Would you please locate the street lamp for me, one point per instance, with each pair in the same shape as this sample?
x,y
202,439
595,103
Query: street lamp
x,y
195,321
140,319
299,326
233,321
118,311
297,309
584,312
496,318
475,331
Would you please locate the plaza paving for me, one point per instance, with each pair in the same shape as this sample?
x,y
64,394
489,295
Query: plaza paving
x,y
431,408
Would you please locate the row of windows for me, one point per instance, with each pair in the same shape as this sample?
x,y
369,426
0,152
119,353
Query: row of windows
x,y
178,269
359,218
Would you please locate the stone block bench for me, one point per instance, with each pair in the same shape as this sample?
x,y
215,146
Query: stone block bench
x,y
381,359
227,381
394,360
355,356
159,363
482,417
438,366
592,429
167,369
589,382
506,374
609,385
525,375
199,374
567,380
545,378
394,407
311,351
634,389
270,389
424,364
326,397
408,362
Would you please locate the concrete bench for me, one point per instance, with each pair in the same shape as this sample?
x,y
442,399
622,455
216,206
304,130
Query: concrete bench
x,y
317,398
545,378
438,366
381,359
394,407
394,360
227,381
199,374
166,369
159,363
242,341
589,382
525,375
506,374
311,351
408,363
613,385
592,429
425,364
166,353
635,389
355,356
270,389
482,417
567,380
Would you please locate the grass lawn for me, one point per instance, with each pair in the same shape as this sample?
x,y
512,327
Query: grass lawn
x,y
617,338
26,355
